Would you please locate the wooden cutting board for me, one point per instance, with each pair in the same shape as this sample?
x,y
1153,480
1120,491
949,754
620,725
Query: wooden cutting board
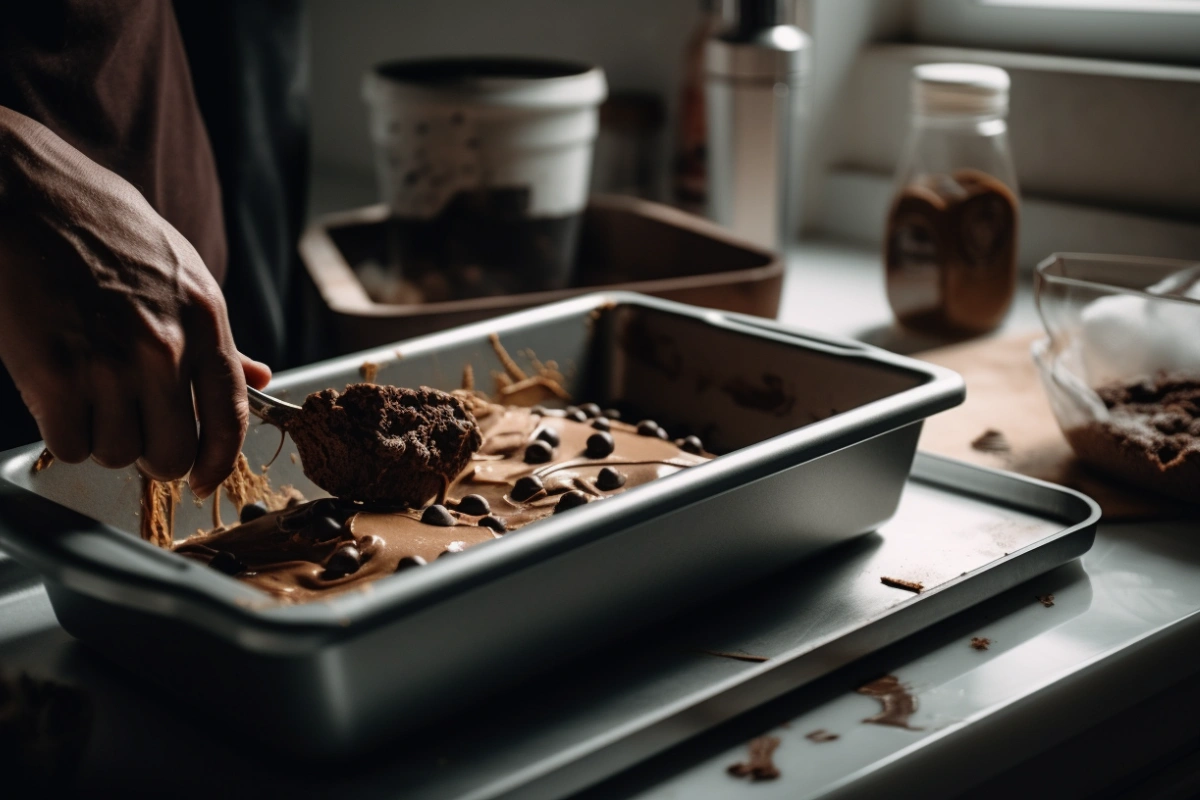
x,y
1005,395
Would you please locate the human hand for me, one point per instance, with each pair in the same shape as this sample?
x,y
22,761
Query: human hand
x,y
111,326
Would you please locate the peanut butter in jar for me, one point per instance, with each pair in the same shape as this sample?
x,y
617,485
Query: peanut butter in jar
x,y
950,245
951,253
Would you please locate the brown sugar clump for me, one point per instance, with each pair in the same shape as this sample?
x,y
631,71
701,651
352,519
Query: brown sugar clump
x,y
159,499
980,642
44,459
759,766
384,444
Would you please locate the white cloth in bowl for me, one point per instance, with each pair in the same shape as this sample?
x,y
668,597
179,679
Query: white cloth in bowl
x,y
1124,337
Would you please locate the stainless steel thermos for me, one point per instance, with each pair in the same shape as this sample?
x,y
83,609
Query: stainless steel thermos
x,y
756,71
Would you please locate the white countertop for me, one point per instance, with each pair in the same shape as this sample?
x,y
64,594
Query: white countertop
x,y
1124,626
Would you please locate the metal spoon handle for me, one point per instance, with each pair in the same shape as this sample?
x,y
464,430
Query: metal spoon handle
x,y
269,409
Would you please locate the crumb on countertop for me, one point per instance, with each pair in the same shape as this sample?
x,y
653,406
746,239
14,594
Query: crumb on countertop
x,y
900,583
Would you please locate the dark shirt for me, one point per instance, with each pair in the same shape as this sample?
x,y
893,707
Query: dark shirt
x,y
152,96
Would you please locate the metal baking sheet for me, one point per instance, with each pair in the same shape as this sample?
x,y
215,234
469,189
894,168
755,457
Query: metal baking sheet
x,y
828,424
966,532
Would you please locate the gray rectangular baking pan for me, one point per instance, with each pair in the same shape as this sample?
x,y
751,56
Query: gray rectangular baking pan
x,y
804,421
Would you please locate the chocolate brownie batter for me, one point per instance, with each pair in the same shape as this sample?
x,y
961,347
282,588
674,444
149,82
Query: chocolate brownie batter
x,y
384,444
532,463
1151,437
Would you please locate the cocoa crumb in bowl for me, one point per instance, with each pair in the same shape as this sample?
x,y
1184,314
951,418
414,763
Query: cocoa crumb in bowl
x,y
1151,437
384,444
991,441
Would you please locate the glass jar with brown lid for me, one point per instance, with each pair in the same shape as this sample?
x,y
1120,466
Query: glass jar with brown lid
x,y
950,248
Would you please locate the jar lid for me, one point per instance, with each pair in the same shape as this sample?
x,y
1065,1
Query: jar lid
x,y
959,90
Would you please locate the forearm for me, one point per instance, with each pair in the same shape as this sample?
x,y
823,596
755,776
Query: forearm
x,y
42,172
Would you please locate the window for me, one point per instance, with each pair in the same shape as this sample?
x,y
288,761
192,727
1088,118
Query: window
x,y
1137,30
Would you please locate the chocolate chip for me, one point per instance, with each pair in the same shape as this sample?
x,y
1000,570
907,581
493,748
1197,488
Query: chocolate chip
x,y
495,523
227,562
408,562
345,561
326,507
647,427
252,511
370,545
569,410
526,488
611,413
326,527
445,553
601,424
538,410
549,436
609,479
572,499
576,415
437,515
474,505
662,434
600,445
692,444
296,520
591,409
538,452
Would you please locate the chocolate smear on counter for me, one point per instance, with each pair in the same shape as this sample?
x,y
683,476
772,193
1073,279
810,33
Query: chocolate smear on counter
x,y
369,371
1046,600
897,704
44,459
991,441
820,735
760,766
900,583
980,642
159,499
736,656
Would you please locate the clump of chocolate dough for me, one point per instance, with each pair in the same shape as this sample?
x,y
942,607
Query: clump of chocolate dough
x,y
1151,437
384,444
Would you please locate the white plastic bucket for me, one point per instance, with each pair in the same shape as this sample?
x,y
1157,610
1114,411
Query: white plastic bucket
x,y
484,163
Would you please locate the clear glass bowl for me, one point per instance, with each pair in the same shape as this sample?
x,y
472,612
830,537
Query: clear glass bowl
x,y
1121,366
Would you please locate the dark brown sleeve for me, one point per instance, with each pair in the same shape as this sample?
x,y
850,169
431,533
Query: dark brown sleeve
x,y
110,77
